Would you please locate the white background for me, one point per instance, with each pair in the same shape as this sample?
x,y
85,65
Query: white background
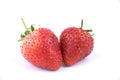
x,y
103,16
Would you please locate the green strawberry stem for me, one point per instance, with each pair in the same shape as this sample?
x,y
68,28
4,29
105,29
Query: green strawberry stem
x,y
28,30
81,24
24,24
88,30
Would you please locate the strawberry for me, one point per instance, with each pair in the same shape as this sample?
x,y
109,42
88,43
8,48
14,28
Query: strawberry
x,y
75,44
40,47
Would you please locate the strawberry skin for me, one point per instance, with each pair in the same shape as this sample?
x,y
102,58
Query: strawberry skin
x,y
75,44
41,48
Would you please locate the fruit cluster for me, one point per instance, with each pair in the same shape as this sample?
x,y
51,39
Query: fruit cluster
x,y
42,48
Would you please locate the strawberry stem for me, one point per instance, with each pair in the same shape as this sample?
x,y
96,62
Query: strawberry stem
x,y
81,24
24,24
88,30
28,30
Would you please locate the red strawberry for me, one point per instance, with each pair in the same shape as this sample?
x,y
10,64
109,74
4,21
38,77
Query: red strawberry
x,y
41,48
76,44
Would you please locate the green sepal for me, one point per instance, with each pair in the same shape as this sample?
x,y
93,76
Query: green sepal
x,y
89,30
21,37
32,28
27,32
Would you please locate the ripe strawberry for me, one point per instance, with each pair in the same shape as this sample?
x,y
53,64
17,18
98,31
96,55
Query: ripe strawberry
x,y
75,44
40,47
